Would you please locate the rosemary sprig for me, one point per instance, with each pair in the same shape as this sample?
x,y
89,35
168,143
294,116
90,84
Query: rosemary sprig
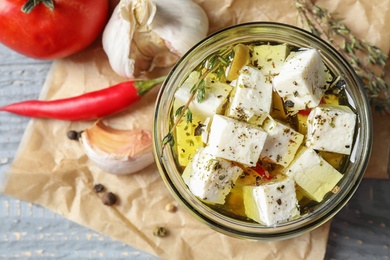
x,y
215,63
367,60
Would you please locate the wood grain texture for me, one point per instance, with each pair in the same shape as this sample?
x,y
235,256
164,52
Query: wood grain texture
x,y
360,231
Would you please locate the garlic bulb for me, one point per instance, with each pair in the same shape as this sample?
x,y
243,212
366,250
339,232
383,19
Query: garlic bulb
x,y
117,151
143,34
181,23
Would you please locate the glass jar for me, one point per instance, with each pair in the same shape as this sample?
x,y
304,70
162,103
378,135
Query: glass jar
x,y
353,171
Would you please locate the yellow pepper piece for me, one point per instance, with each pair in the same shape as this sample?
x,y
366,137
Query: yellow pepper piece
x,y
241,58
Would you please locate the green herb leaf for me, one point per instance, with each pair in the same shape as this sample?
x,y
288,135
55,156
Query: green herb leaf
x,y
220,73
212,62
179,111
223,61
201,91
168,139
194,88
189,116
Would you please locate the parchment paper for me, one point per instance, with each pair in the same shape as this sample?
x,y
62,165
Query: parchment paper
x,y
53,171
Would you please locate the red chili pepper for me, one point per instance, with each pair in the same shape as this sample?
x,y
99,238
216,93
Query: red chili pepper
x,y
262,172
306,112
87,106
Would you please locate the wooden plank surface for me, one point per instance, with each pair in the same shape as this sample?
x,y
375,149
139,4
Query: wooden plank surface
x,y
360,231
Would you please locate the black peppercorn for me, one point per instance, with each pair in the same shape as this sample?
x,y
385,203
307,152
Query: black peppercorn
x,y
109,199
98,188
288,103
340,83
199,129
73,135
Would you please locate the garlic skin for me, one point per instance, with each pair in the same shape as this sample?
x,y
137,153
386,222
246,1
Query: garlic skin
x,y
117,151
117,39
143,34
181,23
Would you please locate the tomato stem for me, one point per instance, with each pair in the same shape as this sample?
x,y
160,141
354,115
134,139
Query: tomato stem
x,y
30,4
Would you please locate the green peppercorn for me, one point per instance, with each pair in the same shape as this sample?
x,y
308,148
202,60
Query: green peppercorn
x,y
160,232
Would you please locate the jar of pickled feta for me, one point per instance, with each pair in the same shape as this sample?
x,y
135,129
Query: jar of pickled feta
x,y
262,131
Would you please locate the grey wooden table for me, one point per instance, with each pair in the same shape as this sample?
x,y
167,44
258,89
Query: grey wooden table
x,y
360,231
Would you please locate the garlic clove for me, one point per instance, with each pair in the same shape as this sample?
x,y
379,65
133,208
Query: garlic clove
x,y
117,151
181,27
144,12
150,51
117,39
143,34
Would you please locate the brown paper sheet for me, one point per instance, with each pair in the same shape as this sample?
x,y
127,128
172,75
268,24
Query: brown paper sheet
x,y
52,171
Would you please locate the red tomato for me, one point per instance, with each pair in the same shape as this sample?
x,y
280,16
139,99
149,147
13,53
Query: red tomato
x,y
51,34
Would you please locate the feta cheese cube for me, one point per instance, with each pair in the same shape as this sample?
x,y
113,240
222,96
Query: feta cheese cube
x,y
269,58
282,142
215,97
252,95
235,140
210,178
271,203
301,81
313,174
331,128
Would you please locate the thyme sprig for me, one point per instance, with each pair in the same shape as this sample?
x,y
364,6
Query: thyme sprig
x,y
216,63
367,60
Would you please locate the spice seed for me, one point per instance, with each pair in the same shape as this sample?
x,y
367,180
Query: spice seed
x,y
170,207
73,135
160,232
98,188
336,189
109,199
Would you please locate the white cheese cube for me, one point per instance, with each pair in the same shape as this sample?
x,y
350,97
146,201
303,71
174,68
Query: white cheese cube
x,y
331,128
235,140
301,81
282,142
252,95
215,97
271,203
269,58
313,174
210,178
